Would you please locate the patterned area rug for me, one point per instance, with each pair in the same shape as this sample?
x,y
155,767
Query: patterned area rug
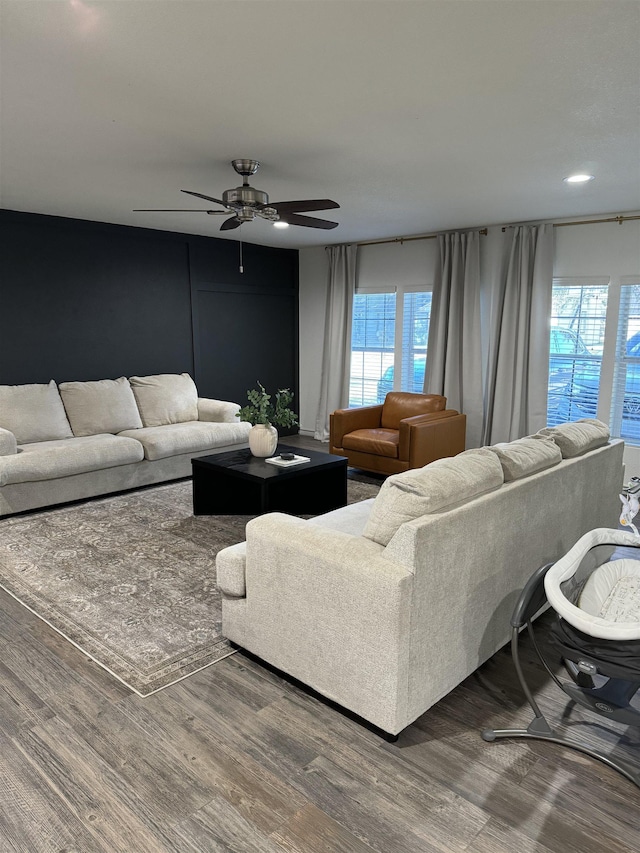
x,y
130,579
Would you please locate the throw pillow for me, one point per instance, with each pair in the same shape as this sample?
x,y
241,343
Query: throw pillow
x,y
577,437
33,413
103,406
165,398
526,456
439,486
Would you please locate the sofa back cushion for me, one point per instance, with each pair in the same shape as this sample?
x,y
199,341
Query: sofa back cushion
x,y
437,487
165,398
526,456
577,437
103,406
33,412
404,404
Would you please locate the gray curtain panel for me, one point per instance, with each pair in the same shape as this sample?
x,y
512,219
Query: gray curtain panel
x,y
454,351
517,371
336,354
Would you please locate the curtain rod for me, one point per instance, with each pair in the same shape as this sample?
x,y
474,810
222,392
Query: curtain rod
x,y
618,219
485,231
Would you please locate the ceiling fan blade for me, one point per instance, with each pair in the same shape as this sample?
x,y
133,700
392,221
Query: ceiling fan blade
x,y
302,206
207,197
178,210
230,223
308,221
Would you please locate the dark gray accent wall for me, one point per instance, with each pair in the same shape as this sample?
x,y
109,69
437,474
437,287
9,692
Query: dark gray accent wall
x,y
84,300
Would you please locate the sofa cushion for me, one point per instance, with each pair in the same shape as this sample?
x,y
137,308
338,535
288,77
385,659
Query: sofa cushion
x,y
165,398
526,456
191,437
106,405
48,460
33,412
577,437
439,486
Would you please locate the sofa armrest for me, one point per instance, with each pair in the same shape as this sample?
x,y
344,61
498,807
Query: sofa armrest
x,y
8,443
217,411
326,607
343,421
231,564
425,438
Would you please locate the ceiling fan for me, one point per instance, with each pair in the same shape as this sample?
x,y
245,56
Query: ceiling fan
x,y
245,203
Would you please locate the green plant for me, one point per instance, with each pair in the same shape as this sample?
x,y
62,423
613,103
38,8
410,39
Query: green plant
x,y
261,410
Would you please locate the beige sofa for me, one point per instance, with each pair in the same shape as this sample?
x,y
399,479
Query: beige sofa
x,y
386,605
82,439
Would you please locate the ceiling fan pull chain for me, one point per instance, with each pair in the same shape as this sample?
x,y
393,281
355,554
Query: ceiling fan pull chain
x,y
241,267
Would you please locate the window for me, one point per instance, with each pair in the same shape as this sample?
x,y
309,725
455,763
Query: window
x,y
578,317
625,400
388,339
372,345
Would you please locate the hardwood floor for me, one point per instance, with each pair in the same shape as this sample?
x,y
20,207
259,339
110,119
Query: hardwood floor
x,y
235,758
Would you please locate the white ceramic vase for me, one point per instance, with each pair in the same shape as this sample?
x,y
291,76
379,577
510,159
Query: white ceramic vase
x,y
263,440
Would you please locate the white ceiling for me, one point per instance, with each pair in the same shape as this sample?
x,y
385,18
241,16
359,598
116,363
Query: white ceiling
x,y
414,115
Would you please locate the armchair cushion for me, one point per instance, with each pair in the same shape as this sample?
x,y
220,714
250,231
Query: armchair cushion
x,y
403,404
439,486
382,442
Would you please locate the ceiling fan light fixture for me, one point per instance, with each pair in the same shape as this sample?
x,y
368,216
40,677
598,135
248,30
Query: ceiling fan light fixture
x,y
578,179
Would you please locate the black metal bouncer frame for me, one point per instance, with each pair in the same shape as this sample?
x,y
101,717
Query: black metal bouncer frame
x,y
611,699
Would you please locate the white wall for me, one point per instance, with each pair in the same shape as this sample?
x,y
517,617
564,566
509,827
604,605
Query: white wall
x,y
598,249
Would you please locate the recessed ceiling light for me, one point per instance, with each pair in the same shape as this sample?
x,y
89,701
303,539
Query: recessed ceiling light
x,y
280,224
578,179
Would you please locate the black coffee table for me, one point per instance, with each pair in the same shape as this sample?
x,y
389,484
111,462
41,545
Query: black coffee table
x,y
238,483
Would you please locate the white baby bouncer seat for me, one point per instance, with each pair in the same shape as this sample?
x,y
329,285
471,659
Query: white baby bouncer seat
x,y
595,593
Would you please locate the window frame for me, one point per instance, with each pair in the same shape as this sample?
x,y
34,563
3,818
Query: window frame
x,y
399,291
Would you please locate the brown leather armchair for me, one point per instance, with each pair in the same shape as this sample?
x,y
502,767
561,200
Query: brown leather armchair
x,y
406,431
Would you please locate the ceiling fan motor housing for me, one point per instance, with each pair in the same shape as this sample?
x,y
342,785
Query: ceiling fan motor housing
x,y
245,196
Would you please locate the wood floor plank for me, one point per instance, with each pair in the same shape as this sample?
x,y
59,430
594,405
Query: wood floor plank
x,y
498,837
20,706
261,797
310,830
589,790
113,810
264,741
503,798
32,817
378,822
375,769
219,828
